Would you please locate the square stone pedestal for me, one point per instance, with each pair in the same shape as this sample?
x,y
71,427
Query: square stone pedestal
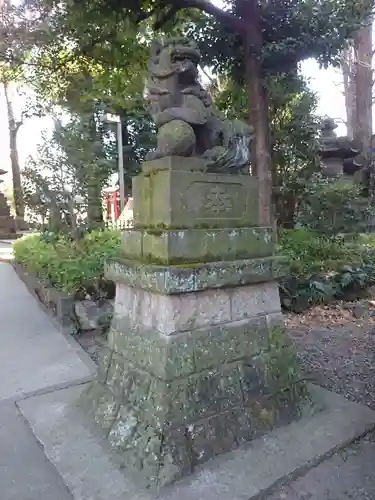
x,y
197,360
7,222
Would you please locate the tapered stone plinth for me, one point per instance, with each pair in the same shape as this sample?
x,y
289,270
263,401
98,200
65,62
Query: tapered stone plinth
x,y
197,361
7,222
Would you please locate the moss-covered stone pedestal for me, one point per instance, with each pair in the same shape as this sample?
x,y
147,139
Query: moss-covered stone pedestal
x,y
7,222
197,360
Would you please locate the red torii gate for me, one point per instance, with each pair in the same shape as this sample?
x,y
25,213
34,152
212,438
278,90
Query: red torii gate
x,y
111,196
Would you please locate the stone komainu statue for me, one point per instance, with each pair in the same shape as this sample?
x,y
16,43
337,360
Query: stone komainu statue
x,y
187,121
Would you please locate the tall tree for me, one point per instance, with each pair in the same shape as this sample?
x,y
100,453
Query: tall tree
x,y
348,72
9,72
250,38
75,162
21,28
13,127
363,88
78,73
357,72
87,153
294,127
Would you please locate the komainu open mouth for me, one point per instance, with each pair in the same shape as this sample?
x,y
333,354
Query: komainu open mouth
x,y
185,55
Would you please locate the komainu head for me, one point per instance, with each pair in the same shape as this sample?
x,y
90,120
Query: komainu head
x,y
173,55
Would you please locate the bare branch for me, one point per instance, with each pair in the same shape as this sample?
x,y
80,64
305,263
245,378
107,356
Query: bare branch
x,y
221,15
17,125
206,6
168,16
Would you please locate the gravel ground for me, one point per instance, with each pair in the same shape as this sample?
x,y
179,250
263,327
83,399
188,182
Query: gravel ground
x,y
341,359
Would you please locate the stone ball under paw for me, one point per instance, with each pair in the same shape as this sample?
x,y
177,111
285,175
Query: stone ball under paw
x,y
176,138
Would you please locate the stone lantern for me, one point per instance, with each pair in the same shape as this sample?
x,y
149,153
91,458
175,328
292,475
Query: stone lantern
x,y
339,155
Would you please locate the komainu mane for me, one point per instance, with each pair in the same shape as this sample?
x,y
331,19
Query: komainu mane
x,y
188,123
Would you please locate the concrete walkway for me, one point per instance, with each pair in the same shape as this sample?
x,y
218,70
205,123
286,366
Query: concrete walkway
x,y
34,358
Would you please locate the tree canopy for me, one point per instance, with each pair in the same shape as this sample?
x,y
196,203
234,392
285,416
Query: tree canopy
x,y
292,30
90,57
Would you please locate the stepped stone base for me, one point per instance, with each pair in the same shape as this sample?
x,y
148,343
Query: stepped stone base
x,y
197,245
21,224
197,360
7,222
7,225
187,377
179,198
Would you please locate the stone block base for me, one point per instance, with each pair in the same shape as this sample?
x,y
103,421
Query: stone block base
x,y
7,224
186,246
160,431
179,279
21,224
187,377
175,194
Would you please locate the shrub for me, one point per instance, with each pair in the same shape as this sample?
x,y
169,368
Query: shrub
x,y
322,268
309,254
74,267
332,207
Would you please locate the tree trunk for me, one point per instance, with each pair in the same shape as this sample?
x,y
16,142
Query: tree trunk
x,y
94,186
347,66
126,154
258,108
363,84
14,160
94,199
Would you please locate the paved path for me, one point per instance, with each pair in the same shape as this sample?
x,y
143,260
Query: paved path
x,y
348,475
34,357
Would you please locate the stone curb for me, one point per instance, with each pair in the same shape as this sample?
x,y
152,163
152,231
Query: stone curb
x,y
63,303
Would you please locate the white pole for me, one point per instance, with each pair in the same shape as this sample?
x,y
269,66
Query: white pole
x,y
120,166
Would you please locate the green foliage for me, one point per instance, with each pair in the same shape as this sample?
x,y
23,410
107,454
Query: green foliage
x,y
86,149
73,267
74,164
294,129
98,49
323,269
294,142
108,40
310,254
368,241
95,53
49,185
292,31
80,70
333,207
